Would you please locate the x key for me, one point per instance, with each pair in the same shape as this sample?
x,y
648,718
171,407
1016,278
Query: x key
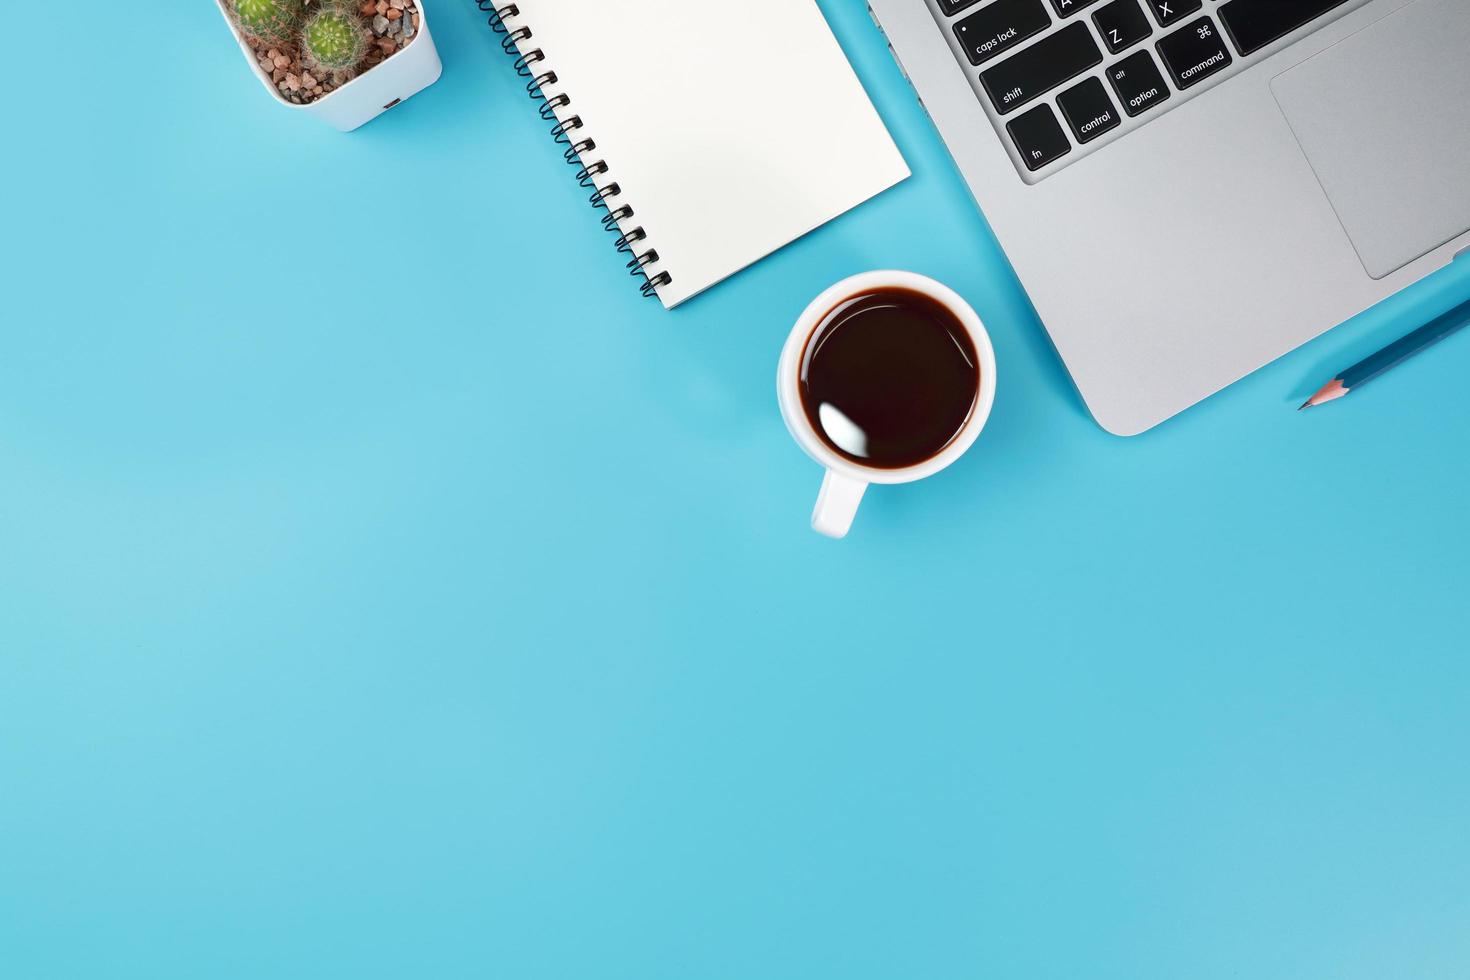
x,y
1167,12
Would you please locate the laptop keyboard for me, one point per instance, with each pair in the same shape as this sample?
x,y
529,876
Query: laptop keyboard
x,y
1041,64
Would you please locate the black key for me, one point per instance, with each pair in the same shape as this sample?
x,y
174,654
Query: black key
x,y
1138,83
953,7
1066,8
1039,137
1253,24
1088,110
1194,53
997,27
1040,68
1170,12
1122,24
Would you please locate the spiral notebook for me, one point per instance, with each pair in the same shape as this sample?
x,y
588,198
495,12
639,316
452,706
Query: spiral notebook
x,y
710,134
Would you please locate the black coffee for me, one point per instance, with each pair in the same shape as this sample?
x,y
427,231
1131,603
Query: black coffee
x,y
889,378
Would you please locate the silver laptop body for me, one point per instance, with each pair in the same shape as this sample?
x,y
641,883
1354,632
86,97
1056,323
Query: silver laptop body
x,y
1248,192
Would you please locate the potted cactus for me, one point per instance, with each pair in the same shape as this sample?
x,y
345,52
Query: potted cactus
x,y
343,61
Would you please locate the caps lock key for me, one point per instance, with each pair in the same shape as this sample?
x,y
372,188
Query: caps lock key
x,y
997,27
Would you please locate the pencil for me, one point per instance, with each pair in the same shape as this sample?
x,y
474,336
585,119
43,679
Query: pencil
x,y
1394,354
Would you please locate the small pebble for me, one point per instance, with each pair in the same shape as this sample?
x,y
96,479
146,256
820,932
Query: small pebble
x,y
368,9
396,4
381,6
293,82
307,81
393,14
394,27
380,24
387,44
408,30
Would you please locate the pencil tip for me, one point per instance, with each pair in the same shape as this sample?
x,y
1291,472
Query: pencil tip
x,y
1331,390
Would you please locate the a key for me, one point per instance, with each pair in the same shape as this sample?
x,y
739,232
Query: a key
x,y
1039,137
1040,68
1194,53
997,27
1253,24
1066,8
1137,82
1170,12
1088,110
1122,24
953,7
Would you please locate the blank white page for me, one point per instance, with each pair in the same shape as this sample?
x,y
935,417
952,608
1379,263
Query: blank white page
x,y
732,128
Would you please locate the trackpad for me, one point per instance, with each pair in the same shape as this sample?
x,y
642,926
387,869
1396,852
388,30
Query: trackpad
x,y
1384,118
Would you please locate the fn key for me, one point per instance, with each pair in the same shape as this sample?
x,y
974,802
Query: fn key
x,y
1039,137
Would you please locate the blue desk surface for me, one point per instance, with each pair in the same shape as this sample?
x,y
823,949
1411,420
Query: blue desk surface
x,y
386,591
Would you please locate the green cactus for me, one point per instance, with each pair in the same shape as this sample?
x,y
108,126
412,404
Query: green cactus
x,y
271,21
335,38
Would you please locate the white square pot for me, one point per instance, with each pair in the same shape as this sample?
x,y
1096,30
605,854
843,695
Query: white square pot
x,y
370,94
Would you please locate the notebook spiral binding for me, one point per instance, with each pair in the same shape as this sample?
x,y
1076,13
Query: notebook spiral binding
x,y
592,174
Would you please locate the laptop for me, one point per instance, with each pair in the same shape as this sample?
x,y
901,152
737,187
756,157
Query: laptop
x,y
1189,189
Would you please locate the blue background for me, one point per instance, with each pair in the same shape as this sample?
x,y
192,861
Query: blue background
x,y
387,591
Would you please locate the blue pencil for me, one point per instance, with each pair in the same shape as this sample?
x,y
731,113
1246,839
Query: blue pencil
x,y
1395,353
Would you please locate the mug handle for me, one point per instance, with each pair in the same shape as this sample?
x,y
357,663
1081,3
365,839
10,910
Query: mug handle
x,y
837,504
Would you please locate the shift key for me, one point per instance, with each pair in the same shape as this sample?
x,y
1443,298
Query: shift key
x,y
997,27
1040,68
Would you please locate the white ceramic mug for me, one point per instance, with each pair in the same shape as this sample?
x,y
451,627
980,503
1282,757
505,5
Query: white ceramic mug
x,y
845,481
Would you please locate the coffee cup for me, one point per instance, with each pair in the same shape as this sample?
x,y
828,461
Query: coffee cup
x,y
887,377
